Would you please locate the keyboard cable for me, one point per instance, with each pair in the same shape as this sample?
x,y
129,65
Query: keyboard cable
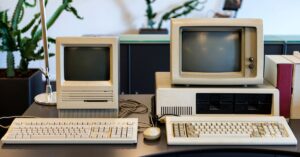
x,y
10,117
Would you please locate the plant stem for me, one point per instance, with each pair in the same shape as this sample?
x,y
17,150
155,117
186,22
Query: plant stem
x,y
10,62
16,15
150,14
23,65
160,23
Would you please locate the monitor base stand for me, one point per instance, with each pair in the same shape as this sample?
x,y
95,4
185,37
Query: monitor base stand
x,y
46,99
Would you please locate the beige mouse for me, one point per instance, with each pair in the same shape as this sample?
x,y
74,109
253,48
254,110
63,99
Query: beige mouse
x,y
152,133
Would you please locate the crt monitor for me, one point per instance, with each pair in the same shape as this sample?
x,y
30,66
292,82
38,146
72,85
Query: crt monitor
x,y
78,66
87,76
217,51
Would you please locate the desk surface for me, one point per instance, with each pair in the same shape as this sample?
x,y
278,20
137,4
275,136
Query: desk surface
x,y
139,149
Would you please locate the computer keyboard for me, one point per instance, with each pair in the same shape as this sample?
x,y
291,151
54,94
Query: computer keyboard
x,y
72,131
234,130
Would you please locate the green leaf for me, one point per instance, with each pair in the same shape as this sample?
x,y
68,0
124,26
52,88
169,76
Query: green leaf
x,y
34,29
153,16
67,1
51,54
19,39
75,13
8,41
21,15
51,40
27,4
40,51
31,23
37,57
37,34
3,16
65,6
185,9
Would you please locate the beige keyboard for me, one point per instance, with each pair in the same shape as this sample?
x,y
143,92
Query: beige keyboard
x,y
234,130
72,131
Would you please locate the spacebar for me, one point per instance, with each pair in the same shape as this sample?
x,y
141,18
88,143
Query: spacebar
x,y
225,135
48,137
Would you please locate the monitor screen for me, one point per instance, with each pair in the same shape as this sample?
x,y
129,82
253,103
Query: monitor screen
x,y
211,51
87,63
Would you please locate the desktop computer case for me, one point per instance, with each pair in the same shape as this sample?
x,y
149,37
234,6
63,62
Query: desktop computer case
x,y
181,100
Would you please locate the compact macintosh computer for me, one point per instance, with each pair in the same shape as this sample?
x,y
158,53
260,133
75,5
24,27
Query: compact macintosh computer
x,y
214,95
87,72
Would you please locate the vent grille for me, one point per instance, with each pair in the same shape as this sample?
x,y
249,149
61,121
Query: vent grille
x,y
87,113
87,96
178,110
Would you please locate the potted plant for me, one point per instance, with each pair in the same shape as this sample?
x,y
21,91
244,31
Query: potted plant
x,y
182,10
19,86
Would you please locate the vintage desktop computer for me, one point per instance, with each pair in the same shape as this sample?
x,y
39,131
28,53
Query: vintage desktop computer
x,y
216,68
87,76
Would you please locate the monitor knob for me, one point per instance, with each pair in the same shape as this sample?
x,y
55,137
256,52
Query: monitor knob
x,y
251,66
251,59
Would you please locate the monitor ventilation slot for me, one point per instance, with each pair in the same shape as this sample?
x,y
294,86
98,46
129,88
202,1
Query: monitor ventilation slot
x,y
177,110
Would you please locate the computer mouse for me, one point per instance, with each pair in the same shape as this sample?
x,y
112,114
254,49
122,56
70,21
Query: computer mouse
x,y
152,133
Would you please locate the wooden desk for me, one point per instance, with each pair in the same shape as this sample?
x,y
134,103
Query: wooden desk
x,y
140,149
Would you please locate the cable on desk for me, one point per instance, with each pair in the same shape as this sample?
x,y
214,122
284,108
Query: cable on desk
x,y
161,118
128,107
151,120
4,127
9,117
149,125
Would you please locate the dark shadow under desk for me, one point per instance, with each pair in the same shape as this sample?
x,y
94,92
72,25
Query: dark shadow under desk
x,y
140,149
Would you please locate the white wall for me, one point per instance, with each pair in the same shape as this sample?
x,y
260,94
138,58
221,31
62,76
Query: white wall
x,y
280,16
113,17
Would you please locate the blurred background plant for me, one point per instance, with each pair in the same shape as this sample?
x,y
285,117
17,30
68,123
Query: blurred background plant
x,y
13,39
181,10
150,14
